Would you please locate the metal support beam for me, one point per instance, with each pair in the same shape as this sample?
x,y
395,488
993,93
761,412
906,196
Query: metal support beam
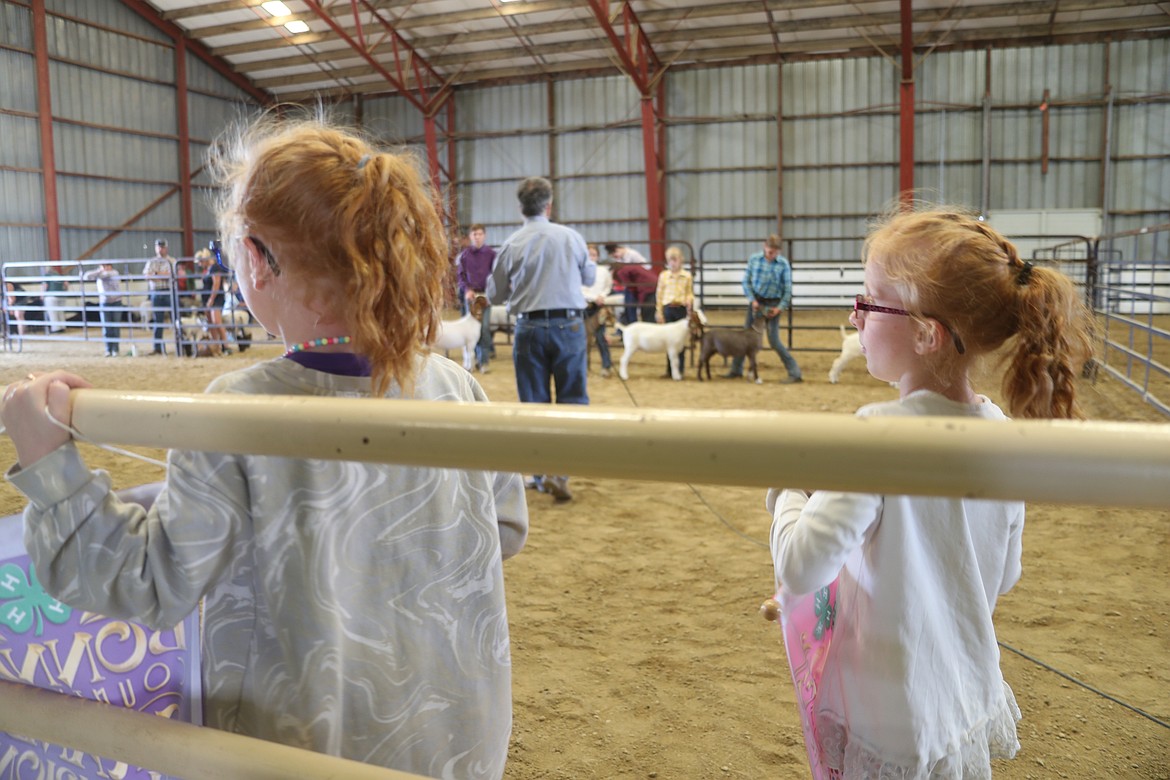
x,y
45,122
412,76
637,59
183,120
906,109
779,147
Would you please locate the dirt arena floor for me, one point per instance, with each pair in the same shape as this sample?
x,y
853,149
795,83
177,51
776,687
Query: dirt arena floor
x,y
638,647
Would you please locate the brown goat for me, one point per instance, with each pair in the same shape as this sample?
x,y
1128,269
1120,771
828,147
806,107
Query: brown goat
x,y
730,342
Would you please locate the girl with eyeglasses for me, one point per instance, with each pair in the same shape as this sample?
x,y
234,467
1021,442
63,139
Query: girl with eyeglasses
x,y
354,609
911,685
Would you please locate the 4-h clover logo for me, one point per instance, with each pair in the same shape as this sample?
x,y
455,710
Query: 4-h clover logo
x,y
23,600
826,613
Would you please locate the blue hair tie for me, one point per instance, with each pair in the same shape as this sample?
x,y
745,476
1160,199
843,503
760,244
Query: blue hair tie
x,y
362,162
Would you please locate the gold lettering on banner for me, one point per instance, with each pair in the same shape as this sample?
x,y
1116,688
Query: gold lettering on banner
x,y
7,768
81,646
123,631
36,656
166,677
126,689
157,646
73,756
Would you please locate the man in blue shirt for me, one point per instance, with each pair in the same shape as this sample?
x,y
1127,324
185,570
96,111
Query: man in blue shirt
x,y
767,283
538,274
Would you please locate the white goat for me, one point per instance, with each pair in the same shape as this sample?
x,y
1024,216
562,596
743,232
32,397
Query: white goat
x,y
850,350
462,333
670,338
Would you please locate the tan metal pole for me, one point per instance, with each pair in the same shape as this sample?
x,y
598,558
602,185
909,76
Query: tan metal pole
x,y
172,747
1064,462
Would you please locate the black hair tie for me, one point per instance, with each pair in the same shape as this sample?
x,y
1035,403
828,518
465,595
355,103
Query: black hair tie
x,y
1025,274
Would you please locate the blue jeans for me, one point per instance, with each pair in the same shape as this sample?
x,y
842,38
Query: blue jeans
x,y
160,303
773,341
113,315
551,350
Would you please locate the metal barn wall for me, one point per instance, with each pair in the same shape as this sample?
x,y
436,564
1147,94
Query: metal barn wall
x,y
116,135
511,141
214,106
114,129
600,165
22,200
1140,139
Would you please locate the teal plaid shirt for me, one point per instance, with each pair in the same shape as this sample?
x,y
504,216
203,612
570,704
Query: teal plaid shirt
x,y
768,279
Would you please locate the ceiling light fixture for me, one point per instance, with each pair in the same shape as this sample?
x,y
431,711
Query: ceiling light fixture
x,y
276,8
296,27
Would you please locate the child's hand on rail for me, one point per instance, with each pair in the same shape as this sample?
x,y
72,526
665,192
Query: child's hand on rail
x,y
23,413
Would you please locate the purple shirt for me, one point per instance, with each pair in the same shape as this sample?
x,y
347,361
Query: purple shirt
x,y
338,363
475,266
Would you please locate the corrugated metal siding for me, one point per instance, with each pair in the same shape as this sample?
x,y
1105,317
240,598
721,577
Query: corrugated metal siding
x,y
99,152
124,246
16,29
393,119
601,180
114,15
23,197
17,81
114,101
21,147
1020,75
829,86
1141,67
493,109
21,193
109,50
208,116
1141,185
488,169
109,204
723,92
18,244
201,77
593,101
950,79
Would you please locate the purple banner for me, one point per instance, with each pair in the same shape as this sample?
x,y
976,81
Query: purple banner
x,y
49,645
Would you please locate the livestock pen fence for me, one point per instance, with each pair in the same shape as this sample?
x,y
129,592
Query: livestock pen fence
x,y
1125,278
1059,462
32,311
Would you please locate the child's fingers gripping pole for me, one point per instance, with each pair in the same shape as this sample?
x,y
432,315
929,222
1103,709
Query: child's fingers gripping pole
x,y
36,411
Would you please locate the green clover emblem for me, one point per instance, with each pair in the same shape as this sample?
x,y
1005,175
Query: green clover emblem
x,y
824,611
23,600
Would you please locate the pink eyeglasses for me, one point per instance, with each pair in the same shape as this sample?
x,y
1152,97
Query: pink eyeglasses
x,y
863,304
